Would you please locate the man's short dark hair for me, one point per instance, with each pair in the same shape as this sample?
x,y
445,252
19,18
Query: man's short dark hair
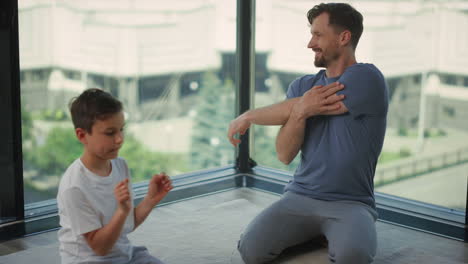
x,y
91,105
342,16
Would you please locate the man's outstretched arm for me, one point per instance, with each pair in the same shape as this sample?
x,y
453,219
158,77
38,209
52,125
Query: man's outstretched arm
x,y
276,114
320,100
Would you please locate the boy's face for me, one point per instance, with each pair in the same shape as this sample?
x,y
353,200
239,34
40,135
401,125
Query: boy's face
x,y
105,139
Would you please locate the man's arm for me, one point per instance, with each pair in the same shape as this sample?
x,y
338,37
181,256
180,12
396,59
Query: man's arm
x,y
102,240
276,114
290,138
320,100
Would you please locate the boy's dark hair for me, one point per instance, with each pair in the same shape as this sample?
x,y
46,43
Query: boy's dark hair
x,y
91,105
342,16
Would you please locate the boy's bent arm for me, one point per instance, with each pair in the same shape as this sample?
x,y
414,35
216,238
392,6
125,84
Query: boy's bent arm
x,y
142,211
102,240
158,187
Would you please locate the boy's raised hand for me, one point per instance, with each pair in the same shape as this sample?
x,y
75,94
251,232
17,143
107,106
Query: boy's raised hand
x,y
122,194
158,187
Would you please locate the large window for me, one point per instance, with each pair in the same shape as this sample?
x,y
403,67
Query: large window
x,y
169,62
425,154
173,65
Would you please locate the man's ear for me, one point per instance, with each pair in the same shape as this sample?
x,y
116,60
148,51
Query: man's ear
x,y
81,135
345,37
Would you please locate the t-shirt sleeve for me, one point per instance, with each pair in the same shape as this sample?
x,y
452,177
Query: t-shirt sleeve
x,y
365,91
294,89
83,217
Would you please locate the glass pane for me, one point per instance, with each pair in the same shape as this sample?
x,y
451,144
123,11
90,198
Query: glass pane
x,y
425,154
171,63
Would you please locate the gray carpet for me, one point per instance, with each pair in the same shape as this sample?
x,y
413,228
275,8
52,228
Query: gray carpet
x,y
205,230
208,235
205,236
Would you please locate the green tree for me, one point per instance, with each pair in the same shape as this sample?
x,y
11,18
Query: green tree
x,y
28,141
143,163
210,147
59,150
26,125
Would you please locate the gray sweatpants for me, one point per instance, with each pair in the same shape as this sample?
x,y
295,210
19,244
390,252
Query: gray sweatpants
x,y
294,219
142,256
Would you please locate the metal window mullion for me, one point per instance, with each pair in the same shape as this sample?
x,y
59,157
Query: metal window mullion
x,y
16,103
466,214
245,68
11,189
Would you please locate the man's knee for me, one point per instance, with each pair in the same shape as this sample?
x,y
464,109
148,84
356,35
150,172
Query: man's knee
x,y
247,254
253,252
354,254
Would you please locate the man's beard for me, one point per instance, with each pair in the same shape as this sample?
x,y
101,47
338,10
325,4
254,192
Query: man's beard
x,y
320,62
324,62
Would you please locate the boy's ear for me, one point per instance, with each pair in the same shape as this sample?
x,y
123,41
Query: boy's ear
x,y
81,135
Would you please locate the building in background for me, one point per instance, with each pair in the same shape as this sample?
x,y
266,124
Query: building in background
x,y
142,52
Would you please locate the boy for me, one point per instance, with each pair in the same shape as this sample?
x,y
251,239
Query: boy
x,y
94,199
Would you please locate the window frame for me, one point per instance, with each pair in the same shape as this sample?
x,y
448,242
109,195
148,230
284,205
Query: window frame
x,y
11,189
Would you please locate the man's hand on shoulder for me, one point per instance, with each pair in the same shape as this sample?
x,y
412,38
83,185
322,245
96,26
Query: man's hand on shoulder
x,y
340,110
321,100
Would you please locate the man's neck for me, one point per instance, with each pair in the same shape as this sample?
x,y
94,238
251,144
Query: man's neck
x,y
96,165
337,67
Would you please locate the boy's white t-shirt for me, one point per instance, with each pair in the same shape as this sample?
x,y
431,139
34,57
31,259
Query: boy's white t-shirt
x,y
86,202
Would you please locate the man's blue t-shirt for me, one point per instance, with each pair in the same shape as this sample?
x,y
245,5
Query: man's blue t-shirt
x,y
339,153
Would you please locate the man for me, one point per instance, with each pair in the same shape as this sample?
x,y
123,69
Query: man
x,y
337,118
